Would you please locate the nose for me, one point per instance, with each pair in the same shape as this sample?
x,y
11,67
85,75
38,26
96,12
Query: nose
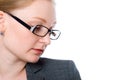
x,y
46,40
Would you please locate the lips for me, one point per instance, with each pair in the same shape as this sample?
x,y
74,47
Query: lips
x,y
38,51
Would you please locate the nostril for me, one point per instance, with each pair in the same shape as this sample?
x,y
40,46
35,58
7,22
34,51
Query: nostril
x,y
46,40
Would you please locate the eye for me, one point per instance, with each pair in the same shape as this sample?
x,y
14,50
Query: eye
x,y
53,33
38,28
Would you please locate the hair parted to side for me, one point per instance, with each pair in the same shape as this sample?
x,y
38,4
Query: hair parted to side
x,y
9,5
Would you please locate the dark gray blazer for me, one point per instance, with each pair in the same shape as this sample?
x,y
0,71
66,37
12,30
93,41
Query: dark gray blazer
x,y
50,69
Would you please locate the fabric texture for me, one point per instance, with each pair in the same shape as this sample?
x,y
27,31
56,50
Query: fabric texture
x,y
51,69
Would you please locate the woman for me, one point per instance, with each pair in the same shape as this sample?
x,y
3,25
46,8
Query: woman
x,y
26,27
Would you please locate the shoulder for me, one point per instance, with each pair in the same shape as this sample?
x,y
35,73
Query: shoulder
x,y
55,62
48,63
55,67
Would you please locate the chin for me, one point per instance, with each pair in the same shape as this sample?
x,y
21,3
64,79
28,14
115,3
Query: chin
x,y
34,60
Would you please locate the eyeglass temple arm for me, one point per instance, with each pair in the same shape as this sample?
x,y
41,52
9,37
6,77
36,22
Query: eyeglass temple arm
x,y
20,21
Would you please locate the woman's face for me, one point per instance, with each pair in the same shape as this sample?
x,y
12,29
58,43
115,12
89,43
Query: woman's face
x,y
19,41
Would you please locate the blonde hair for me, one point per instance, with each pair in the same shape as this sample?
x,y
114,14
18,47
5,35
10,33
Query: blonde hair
x,y
9,5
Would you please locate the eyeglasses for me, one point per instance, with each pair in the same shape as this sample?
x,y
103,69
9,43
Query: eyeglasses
x,y
39,30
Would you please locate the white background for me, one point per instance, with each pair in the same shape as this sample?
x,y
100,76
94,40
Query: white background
x,y
90,37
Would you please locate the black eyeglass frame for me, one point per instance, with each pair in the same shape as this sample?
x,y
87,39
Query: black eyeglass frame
x,y
33,28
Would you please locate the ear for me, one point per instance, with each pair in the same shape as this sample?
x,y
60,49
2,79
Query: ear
x,y
1,16
2,20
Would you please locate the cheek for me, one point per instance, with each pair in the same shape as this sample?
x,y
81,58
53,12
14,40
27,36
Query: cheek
x,y
18,39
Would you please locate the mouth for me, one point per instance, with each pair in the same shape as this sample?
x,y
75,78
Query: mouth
x,y
38,51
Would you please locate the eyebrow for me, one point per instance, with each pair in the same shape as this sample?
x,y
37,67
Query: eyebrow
x,y
43,20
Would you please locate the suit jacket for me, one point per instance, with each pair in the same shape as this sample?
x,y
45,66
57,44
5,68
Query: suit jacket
x,y
51,69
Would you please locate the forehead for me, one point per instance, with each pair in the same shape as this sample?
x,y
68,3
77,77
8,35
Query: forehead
x,y
40,9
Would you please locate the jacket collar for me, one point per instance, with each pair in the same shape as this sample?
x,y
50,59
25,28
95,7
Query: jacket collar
x,y
32,69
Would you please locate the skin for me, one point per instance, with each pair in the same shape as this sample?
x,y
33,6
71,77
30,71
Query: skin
x,y
18,44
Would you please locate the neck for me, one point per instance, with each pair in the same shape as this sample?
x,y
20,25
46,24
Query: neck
x,y
10,66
